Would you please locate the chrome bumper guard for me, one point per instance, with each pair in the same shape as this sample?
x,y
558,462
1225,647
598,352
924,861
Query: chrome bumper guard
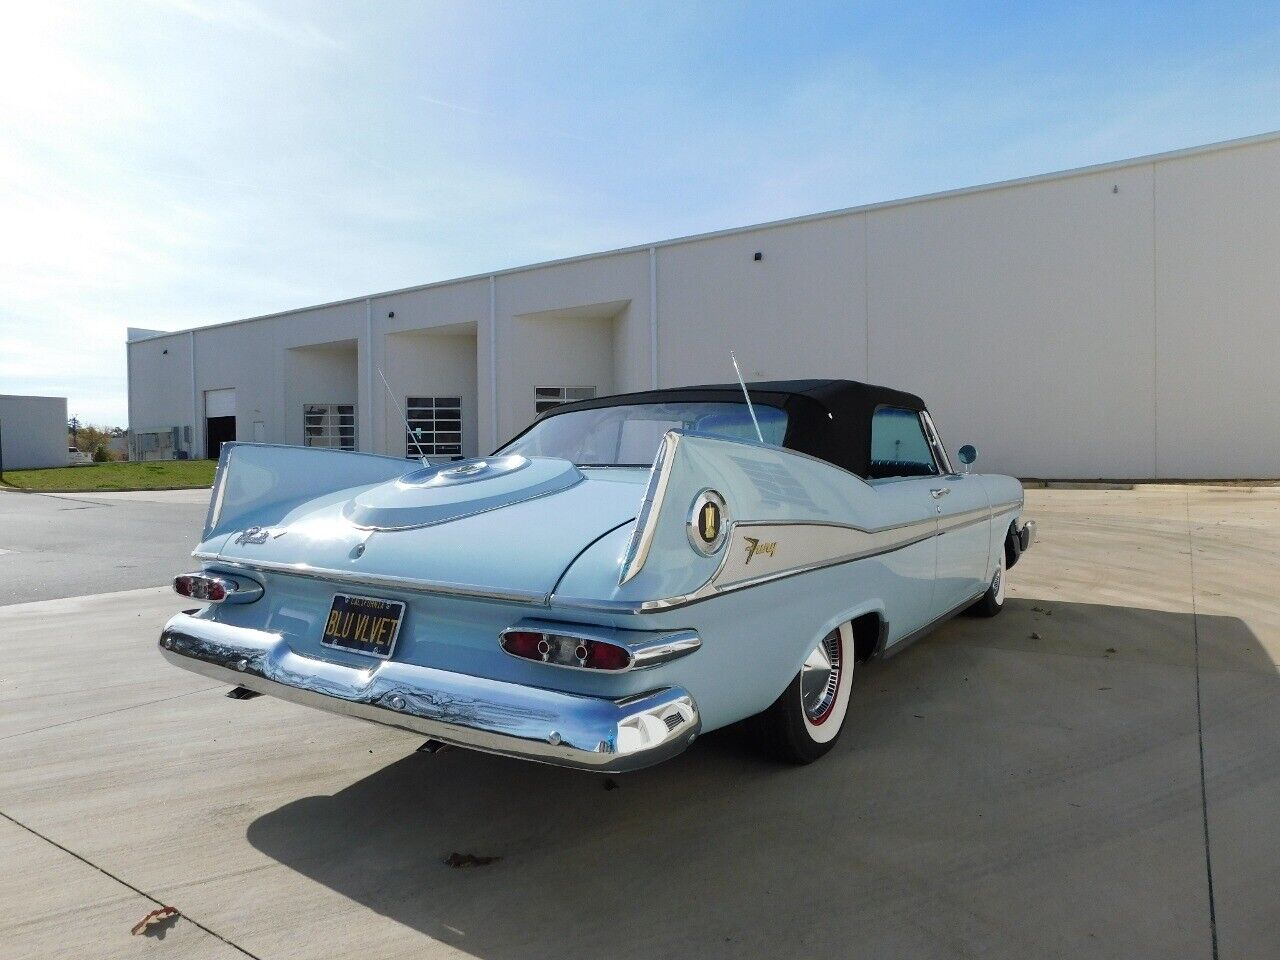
x,y
566,729
1018,541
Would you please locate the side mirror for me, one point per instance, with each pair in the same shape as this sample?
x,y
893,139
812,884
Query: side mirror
x,y
967,454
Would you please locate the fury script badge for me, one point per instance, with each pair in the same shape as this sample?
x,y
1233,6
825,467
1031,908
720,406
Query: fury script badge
x,y
755,548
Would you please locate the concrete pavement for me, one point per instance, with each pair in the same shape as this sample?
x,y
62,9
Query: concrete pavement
x,y
1028,786
69,544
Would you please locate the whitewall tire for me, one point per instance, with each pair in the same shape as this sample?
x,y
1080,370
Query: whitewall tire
x,y
805,721
992,602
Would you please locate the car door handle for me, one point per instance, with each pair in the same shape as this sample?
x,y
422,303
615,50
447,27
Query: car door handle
x,y
939,492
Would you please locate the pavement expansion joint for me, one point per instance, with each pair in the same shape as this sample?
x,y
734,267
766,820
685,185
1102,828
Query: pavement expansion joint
x,y
107,713
125,883
1204,794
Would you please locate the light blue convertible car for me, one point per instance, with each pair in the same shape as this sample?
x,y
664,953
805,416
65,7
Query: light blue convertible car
x,y
627,573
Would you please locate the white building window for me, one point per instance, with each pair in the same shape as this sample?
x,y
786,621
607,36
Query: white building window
x,y
435,427
545,398
329,425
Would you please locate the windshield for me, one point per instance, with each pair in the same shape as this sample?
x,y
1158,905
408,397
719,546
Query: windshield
x,y
628,435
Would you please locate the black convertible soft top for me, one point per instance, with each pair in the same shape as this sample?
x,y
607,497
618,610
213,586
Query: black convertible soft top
x,y
827,419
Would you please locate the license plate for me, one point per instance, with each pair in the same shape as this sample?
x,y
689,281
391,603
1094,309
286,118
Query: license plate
x,y
363,624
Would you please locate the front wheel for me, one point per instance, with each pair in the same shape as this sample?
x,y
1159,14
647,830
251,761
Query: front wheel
x,y
992,602
805,721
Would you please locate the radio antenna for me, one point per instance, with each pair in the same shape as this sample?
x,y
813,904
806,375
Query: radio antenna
x,y
403,416
750,409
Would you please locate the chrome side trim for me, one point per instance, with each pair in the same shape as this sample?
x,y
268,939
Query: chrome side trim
x,y
802,547
847,545
646,651
664,649
512,719
878,542
384,581
957,520
650,508
619,607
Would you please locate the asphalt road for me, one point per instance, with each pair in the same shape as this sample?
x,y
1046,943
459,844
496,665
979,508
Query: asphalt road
x,y
72,544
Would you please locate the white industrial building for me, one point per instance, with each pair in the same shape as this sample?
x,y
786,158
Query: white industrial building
x,y
1115,321
33,432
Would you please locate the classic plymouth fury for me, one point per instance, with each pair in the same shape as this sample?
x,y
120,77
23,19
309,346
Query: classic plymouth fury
x,y
627,573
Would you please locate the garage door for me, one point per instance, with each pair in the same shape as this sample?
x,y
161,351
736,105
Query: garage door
x,y
220,403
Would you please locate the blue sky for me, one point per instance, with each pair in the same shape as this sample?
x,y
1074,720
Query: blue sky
x,y
169,163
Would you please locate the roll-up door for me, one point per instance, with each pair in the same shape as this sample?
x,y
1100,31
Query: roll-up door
x,y
220,403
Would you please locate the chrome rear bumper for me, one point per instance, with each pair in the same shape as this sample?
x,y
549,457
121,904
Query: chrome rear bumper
x,y
589,733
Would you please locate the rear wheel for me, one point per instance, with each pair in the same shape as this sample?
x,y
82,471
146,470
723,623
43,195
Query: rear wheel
x,y
805,721
992,602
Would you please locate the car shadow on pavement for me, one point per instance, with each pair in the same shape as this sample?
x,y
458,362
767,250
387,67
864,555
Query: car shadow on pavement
x,y
981,801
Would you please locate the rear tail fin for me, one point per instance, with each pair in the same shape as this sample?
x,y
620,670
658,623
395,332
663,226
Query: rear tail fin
x,y
709,494
258,484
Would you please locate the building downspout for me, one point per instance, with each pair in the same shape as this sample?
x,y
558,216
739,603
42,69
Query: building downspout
x,y
653,317
195,400
128,399
371,445
493,360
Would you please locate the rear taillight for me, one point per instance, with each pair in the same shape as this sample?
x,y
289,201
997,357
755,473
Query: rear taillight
x,y
606,656
566,651
201,588
521,643
213,588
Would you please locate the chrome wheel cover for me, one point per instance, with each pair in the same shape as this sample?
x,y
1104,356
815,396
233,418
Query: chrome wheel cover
x,y
820,678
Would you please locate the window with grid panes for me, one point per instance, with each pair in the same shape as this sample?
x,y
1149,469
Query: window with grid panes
x,y
329,425
545,398
435,427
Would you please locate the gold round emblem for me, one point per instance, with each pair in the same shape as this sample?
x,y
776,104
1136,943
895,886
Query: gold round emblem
x,y
706,524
